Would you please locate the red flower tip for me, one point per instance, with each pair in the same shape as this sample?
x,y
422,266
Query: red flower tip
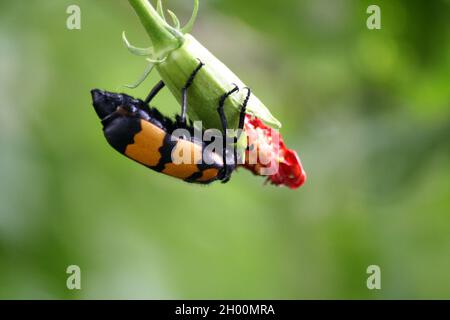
x,y
290,172
272,150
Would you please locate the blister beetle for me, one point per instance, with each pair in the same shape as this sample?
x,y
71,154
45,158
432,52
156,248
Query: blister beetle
x,y
144,135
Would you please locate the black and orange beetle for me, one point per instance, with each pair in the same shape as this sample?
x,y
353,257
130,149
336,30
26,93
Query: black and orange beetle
x,y
144,135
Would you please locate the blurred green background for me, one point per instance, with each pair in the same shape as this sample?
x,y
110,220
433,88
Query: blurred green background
x,y
367,110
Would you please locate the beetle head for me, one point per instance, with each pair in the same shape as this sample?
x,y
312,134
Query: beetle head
x,y
105,103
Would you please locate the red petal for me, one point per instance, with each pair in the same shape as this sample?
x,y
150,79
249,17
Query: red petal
x,y
290,170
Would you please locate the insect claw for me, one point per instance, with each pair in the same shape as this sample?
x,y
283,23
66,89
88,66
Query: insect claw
x,y
235,89
249,92
201,62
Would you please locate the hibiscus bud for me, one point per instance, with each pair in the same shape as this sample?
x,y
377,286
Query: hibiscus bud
x,y
175,54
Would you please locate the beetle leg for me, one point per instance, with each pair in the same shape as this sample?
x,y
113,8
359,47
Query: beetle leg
x,y
223,119
244,109
154,91
241,123
243,113
184,101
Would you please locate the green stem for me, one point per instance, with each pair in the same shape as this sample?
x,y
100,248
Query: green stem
x,y
163,40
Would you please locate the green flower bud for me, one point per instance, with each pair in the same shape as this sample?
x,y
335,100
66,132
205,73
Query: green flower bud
x,y
175,54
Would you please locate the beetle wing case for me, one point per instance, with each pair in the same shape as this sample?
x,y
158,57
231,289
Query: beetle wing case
x,y
144,135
